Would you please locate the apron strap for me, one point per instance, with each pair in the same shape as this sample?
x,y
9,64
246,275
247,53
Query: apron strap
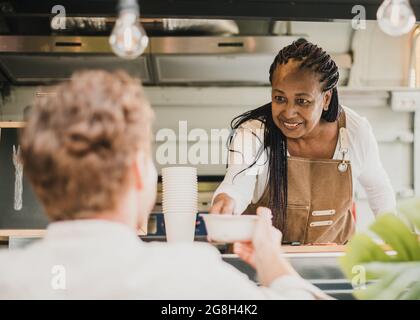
x,y
343,141
342,119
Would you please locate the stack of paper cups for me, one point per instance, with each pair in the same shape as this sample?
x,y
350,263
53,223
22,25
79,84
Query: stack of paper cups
x,y
179,201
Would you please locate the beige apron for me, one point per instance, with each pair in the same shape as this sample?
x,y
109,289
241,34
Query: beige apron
x,y
319,205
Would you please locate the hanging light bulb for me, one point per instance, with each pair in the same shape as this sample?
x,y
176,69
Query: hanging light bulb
x,y
128,38
396,17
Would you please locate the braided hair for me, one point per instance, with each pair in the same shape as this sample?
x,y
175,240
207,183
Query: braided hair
x,y
316,59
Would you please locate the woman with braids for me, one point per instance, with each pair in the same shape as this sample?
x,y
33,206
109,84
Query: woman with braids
x,y
300,154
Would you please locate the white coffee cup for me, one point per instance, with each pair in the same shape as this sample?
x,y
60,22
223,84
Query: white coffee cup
x,y
179,190
180,227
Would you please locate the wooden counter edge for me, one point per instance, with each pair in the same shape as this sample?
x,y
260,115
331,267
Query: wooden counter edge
x,y
5,233
313,249
12,124
36,233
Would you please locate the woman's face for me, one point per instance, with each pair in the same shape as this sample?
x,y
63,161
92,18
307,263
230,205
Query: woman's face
x,y
297,100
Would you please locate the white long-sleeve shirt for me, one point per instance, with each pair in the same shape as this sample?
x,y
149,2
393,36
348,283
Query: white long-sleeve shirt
x,y
247,185
97,259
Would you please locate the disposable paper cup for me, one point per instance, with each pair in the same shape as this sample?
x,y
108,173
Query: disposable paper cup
x,y
184,210
168,175
188,193
179,183
177,205
174,173
174,207
176,179
179,201
179,190
180,211
179,169
180,227
179,187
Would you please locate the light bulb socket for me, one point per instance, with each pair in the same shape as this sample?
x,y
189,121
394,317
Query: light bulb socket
x,y
129,5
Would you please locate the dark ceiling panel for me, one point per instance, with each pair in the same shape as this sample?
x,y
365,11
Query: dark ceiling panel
x,y
262,9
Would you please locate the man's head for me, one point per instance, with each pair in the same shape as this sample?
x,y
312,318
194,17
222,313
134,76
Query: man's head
x,y
87,147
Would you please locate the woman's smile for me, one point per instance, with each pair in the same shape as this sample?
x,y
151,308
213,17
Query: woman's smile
x,y
287,126
292,125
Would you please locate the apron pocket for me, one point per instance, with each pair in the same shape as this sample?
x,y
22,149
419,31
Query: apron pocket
x,y
321,231
321,223
296,223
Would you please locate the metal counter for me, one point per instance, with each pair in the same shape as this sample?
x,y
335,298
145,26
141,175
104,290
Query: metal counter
x,y
321,269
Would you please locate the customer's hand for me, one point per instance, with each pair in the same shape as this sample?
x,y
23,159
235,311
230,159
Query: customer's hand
x,y
264,252
223,204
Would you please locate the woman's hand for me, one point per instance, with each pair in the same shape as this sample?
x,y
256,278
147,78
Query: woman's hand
x,y
223,204
264,252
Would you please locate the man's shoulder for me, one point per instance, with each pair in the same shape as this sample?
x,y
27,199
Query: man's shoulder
x,y
182,256
9,257
12,263
14,260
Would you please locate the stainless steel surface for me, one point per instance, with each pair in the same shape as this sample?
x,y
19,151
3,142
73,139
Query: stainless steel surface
x,y
222,60
34,69
167,60
230,45
209,45
209,26
43,59
320,269
54,44
157,45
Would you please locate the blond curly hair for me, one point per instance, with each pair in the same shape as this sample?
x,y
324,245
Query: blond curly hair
x,y
80,142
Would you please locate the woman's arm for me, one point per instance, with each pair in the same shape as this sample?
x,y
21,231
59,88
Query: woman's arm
x,y
236,191
374,178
